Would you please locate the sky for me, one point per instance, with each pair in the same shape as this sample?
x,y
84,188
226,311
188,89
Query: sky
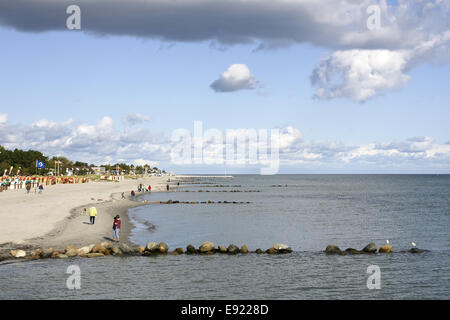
x,y
347,97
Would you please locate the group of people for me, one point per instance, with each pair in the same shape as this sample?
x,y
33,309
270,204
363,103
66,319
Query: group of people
x,y
40,188
117,223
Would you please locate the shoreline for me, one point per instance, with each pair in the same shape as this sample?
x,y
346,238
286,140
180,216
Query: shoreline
x,y
72,228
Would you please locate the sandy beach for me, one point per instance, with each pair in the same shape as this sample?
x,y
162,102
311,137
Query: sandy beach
x,y
53,219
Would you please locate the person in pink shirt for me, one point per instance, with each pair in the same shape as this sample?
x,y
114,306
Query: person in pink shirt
x,y
116,227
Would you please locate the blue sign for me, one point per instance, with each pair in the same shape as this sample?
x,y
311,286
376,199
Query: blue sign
x,y
40,164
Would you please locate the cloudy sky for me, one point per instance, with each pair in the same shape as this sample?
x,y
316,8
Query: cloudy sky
x,y
348,94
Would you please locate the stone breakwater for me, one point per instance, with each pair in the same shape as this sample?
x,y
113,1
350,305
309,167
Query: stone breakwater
x,y
152,248
206,248
371,248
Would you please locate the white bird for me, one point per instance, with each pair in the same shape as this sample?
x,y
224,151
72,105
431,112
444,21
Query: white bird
x,y
413,244
387,241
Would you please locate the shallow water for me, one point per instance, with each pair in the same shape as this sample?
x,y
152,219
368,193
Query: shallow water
x,y
311,212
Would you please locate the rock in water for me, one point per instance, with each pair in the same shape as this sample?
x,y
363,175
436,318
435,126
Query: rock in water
x,y
71,253
152,247
84,250
95,255
107,245
47,253
259,251
232,249
18,253
417,250
163,247
370,248
125,248
282,248
222,249
271,251
353,251
206,246
244,249
98,248
62,256
190,249
332,249
116,251
386,248
179,250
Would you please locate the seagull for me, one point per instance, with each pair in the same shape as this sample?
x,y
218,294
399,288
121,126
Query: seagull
x,y
387,241
413,244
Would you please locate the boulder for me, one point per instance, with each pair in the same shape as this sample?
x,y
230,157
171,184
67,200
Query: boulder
x,y
332,249
83,250
36,252
190,249
417,250
62,256
206,246
47,253
95,255
126,249
353,251
282,248
18,253
35,256
91,246
386,248
179,250
69,248
71,253
244,249
222,249
152,247
163,247
370,248
98,248
271,251
259,251
107,245
232,249
116,250
174,253
55,254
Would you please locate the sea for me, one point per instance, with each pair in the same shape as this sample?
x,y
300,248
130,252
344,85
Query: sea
x,y
306,212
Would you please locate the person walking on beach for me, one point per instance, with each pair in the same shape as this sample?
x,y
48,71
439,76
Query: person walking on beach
x,y
28,187
167,187
132,194
149,188
41,188
116,227
92,214
123,195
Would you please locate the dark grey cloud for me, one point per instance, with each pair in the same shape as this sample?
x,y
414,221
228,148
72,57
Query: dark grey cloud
x,y
328,23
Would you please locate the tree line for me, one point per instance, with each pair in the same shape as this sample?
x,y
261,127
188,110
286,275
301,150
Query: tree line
x,y
25,161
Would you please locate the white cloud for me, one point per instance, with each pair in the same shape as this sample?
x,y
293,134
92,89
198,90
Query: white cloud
x,y
236,77
360,74
3,118
133,119
102,142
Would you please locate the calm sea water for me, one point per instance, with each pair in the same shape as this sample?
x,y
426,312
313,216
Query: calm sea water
x,y
306,212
